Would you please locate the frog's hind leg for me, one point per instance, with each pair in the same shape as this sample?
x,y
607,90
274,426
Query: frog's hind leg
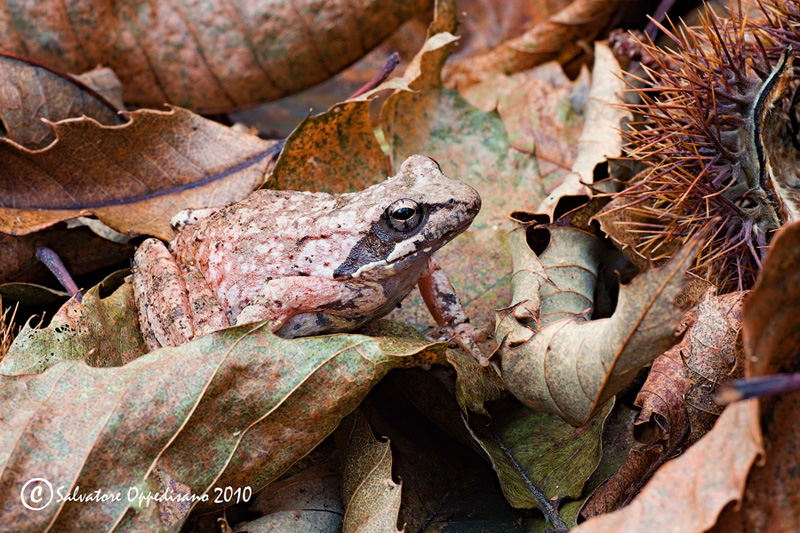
x,y
174,305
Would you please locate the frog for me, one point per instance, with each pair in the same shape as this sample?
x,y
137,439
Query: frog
x,y
310,263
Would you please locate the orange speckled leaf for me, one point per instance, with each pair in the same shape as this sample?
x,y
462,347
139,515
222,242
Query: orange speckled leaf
x,y
208,56
335,151
134,177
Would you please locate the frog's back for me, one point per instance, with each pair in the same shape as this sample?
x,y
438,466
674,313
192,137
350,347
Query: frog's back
x,y
269,235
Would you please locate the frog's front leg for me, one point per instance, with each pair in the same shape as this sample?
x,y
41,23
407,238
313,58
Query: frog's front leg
x,y
441,300
174,302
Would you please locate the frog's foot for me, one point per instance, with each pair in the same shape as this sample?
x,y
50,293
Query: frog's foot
x,y
440,297
466,336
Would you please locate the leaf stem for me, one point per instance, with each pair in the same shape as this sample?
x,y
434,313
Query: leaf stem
x,y
387,69
51,260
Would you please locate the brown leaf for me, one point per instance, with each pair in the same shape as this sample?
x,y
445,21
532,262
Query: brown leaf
x,y
552,361
682,383
484,24
133,177
772,339
193,418
104,81
371,497
30,92
770,313
556,38
214,58
600,138
688,493
627,481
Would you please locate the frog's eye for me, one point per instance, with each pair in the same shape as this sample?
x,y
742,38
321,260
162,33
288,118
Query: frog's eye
x,y
404,215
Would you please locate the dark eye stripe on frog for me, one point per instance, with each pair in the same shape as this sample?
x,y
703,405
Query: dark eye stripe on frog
x,y
375,246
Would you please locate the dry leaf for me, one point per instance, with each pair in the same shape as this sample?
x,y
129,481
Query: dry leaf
x,y
268,400
682,384
371,497
552,361
30,92
211,58
556,38
106,83
133,177
688,493
772,340
335,151
601,138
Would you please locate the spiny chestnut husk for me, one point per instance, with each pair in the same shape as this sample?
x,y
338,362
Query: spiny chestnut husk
x,y
717,135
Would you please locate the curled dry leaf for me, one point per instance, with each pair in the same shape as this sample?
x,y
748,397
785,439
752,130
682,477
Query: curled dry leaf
x,y
30,92
677,400
133,177
371,497
269,402
552,358
682,383
213,59
557,38
601,138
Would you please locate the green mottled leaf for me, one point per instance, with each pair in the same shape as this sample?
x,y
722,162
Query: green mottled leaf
x,y
233,409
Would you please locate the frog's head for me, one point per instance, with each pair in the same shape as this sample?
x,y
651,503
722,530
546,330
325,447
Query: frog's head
x,y
412,215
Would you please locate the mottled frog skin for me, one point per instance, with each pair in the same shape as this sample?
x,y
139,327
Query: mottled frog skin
x,y
310,262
